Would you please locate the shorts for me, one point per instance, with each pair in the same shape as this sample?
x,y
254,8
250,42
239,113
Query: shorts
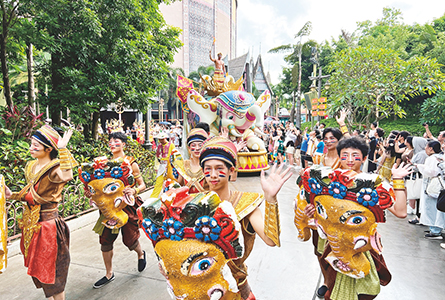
x,y
290,150
297,154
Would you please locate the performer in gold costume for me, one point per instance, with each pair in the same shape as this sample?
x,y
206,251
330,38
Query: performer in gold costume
x,y
190,172
218,161
45,235
166,154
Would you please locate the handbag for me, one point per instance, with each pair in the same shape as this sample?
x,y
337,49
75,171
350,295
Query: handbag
x,y
441,201
413,186
434,187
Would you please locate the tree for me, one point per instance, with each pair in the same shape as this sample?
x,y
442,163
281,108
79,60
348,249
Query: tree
x,y
102,51
297,51
433,109
8,19
367,81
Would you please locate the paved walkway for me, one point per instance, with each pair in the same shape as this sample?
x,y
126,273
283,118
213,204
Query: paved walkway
x,y
287,273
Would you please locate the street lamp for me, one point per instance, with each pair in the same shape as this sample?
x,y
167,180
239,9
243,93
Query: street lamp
x,y
313,88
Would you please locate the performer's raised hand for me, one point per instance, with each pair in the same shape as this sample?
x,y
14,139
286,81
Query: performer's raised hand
x,y
65,139
402,171
240,146
341,119
272,185
224,132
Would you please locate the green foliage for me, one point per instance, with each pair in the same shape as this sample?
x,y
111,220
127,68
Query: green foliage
x,y
86,151
373,81
412,66
106,50
433,109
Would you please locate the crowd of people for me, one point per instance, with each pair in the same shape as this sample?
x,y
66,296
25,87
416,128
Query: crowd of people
x,y
301,148
412,164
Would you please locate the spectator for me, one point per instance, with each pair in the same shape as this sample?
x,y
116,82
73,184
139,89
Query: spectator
x,y
430,216
388,159
374,145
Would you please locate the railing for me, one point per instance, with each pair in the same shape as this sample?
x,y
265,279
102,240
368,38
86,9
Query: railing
x,y
73,204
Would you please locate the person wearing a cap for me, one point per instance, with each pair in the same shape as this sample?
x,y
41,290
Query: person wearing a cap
x,y
190,172
218,160
45,235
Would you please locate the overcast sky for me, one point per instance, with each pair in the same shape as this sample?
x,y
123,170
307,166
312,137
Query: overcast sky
x,y
263,25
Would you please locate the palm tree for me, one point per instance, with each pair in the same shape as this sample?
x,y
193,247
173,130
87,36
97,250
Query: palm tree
x,y
296,51
203,71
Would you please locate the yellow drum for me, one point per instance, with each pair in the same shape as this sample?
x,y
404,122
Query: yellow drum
x,y
252,161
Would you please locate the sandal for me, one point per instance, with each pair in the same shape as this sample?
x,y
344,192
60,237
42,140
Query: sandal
x,y
414,221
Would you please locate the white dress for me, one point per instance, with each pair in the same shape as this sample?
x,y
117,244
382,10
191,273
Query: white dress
x,y
429,215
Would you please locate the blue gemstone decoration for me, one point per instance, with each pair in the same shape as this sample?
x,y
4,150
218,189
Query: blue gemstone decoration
x,y
117,172
207,229
173,229
337,190
372,197
86,176
99,174
315,186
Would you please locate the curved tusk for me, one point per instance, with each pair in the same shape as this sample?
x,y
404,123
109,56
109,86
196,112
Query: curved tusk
x,y
117,203
216,295
359,244
235,133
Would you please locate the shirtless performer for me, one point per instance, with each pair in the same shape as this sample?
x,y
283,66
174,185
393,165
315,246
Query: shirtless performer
x,y
220,69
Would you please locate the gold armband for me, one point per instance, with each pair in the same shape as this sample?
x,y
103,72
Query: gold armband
x,y
398,184
272,222
137,190
344,129
138,176
67,161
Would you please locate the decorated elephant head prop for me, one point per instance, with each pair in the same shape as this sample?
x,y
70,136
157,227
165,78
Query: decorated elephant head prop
x,y
348,207
106,180
237,111
194,237
3,226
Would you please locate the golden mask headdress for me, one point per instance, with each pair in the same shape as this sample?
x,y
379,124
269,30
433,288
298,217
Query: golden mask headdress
x,y
194,237
106,180
348,207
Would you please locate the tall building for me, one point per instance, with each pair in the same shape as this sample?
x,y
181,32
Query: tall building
x,y
202,22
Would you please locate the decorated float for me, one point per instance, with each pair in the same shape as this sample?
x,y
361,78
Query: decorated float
x,y
223,104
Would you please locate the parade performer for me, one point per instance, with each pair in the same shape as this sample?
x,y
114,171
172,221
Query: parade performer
x,y
218,161
195,238
220,69
45,235
190,172
331,137
3,226
166,154
321,190
110,195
